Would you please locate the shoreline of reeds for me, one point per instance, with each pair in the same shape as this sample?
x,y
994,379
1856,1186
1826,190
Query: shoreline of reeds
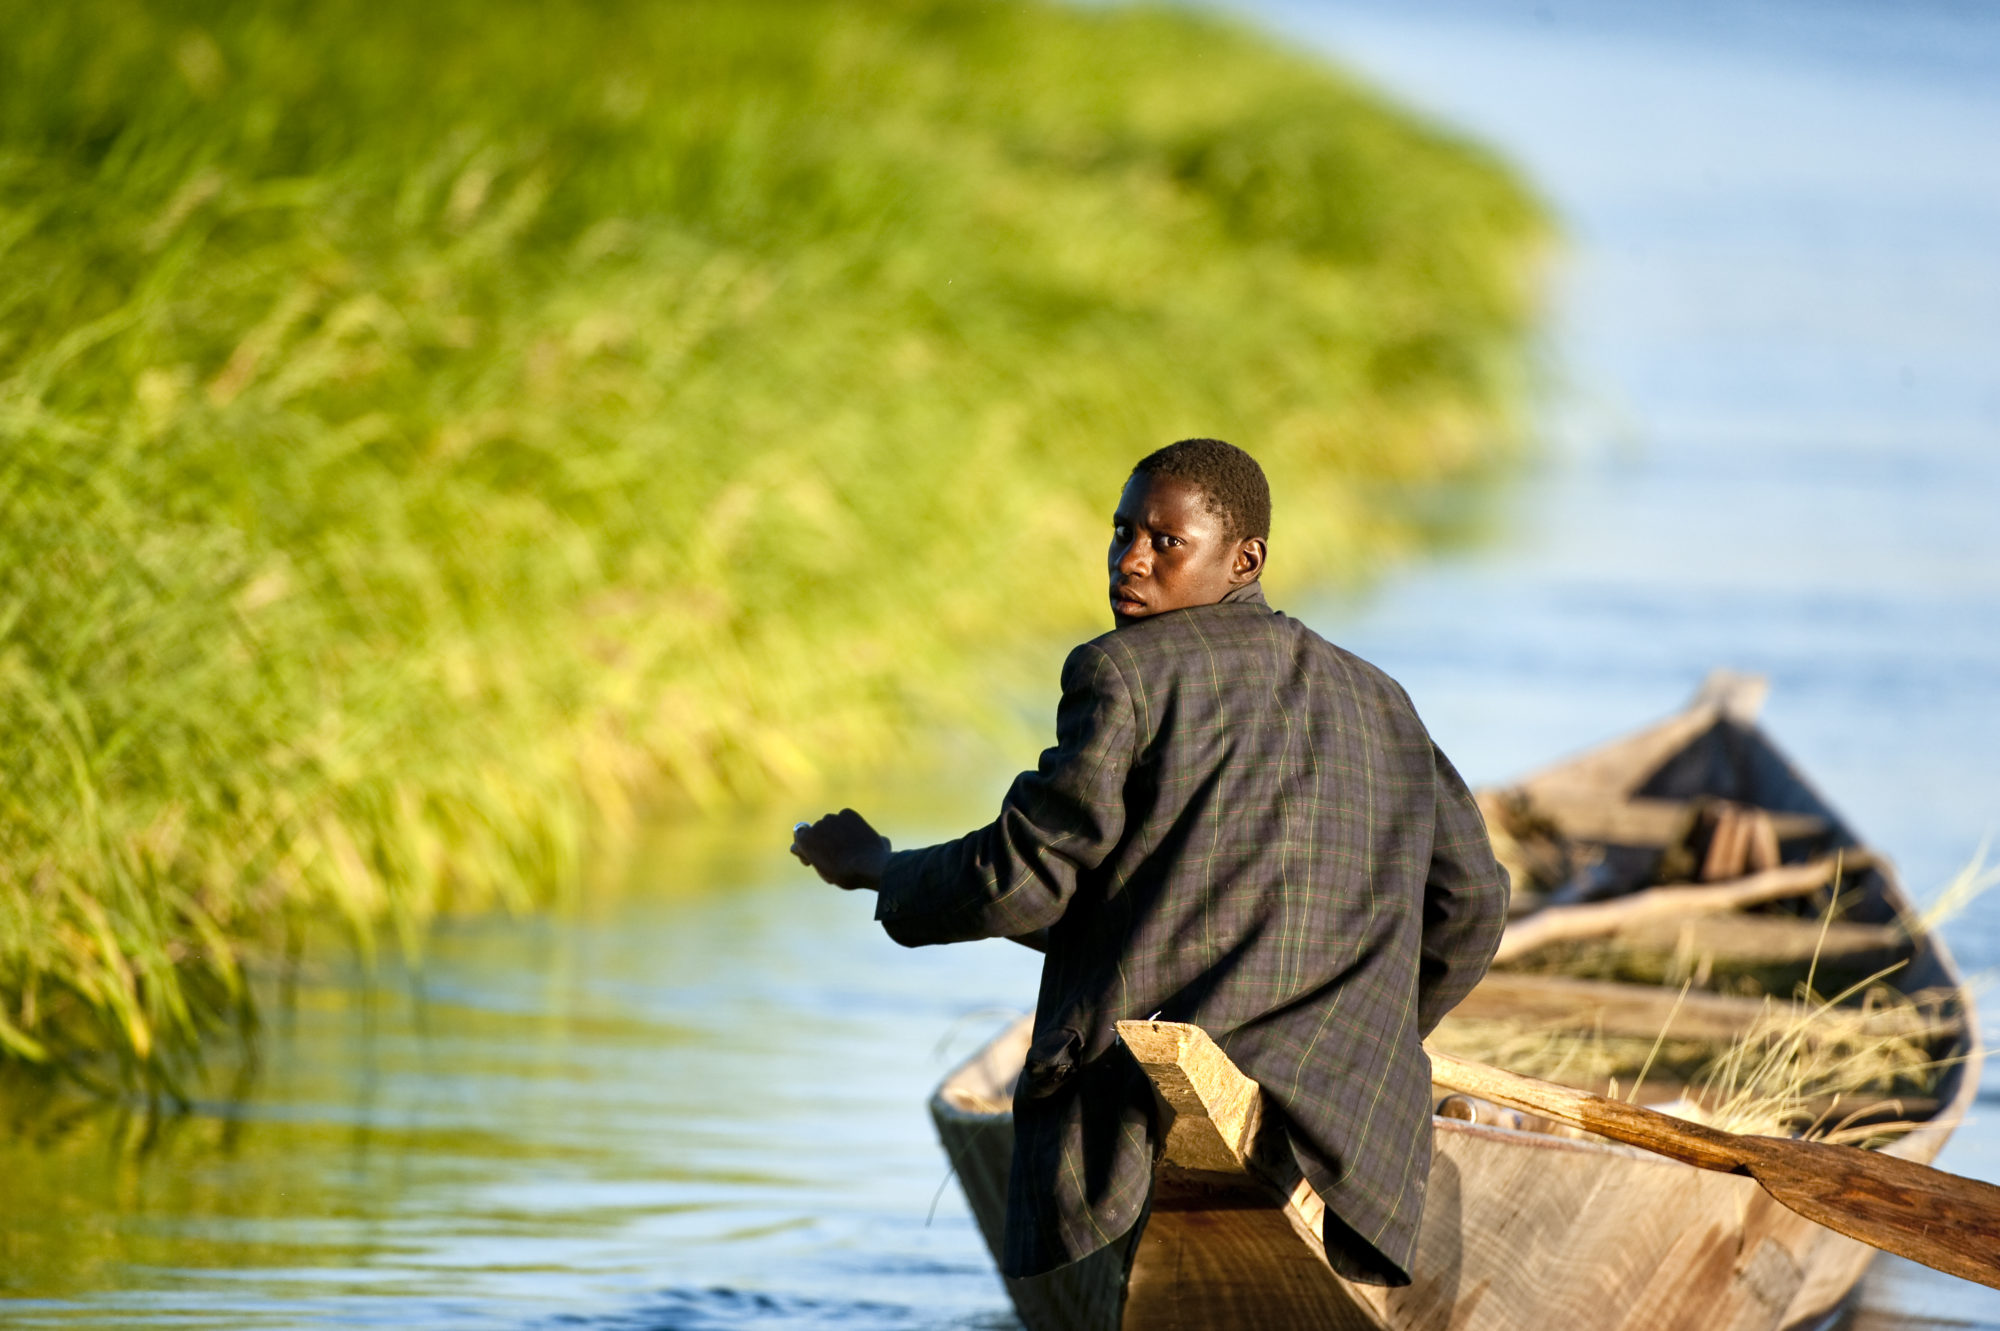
x,y
433,436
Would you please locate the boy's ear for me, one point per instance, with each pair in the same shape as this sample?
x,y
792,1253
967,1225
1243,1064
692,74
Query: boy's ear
x,y
1249,561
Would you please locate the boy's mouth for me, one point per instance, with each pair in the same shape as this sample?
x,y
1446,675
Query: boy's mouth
x,y
1124,602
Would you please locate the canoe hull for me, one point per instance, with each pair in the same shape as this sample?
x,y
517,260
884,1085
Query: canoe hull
x,y
1517,1228
1520,1229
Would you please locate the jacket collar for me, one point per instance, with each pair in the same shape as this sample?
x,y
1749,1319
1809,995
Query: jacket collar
x,y
1250,593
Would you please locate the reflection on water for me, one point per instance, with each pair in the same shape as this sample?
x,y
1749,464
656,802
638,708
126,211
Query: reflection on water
x,y
702,1106
697,1110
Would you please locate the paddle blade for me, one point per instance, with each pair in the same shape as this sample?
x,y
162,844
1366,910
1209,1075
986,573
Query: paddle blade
x,y
1943,1220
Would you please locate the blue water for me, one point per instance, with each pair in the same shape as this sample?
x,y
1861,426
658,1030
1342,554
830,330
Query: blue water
x,y
1773,443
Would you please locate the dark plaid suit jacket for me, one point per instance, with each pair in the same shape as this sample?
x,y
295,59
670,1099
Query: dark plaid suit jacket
x,y
1244,827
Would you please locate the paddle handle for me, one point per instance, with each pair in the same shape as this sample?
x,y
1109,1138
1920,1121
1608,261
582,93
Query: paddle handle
x,y
1690,1143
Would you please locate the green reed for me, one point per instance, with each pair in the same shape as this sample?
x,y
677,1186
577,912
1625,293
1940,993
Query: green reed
x,y
431,433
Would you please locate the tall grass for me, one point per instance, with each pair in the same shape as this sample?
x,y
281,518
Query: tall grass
x,y
429,432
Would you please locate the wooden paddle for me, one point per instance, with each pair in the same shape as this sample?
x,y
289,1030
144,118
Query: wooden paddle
x,y
1912,1210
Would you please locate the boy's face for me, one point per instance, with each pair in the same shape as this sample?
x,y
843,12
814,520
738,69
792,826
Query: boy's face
x,y
1169,550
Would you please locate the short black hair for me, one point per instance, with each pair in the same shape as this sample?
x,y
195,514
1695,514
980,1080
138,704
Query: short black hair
x,y
1229,478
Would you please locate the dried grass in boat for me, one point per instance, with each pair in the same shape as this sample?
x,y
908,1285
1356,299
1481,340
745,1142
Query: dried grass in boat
x,y
1843,1070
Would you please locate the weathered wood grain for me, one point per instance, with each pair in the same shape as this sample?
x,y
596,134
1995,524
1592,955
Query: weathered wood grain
x,y
1226,1243
1668,905
1647,1011
1769,940
1542,1232
1942,1220
1210,1110
1226,1257
1638,821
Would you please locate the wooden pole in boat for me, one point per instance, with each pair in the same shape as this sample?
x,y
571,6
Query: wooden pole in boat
x,y
1924,1214
1674,902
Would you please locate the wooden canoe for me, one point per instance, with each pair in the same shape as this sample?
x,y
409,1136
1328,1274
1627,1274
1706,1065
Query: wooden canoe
x,y
1526,1228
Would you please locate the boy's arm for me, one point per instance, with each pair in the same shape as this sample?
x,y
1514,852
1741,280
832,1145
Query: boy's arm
x,y
1465,901
1016,875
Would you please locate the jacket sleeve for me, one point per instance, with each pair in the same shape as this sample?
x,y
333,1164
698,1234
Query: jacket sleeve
x,y
1056,824
1465,901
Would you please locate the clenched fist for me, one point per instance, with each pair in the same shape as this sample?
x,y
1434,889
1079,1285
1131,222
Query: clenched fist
x,y
843,849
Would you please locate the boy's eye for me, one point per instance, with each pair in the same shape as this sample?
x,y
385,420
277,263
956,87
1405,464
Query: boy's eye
x,y
1164,542
1121,531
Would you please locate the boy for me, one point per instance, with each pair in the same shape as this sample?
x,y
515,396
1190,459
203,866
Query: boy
x,y
1240,826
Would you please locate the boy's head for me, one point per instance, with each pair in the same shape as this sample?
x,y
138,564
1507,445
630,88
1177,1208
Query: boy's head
x,y
1190,528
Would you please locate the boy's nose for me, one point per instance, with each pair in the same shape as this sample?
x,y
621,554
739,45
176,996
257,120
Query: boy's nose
x,y
1133,561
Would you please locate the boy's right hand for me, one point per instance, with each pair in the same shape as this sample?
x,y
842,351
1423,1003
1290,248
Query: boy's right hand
x,y
843,849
